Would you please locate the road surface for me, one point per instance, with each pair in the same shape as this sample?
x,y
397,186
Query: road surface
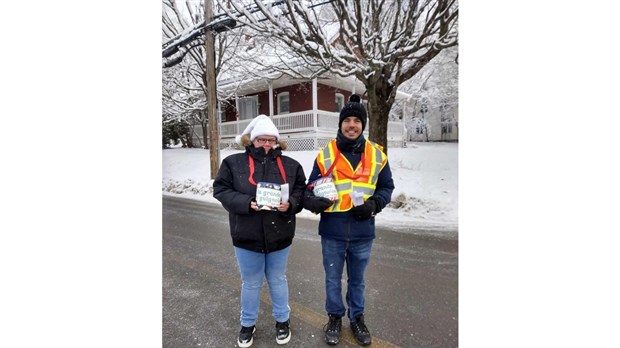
x,y
411,285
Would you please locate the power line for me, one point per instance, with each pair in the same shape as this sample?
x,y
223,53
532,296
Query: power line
x,y
220,23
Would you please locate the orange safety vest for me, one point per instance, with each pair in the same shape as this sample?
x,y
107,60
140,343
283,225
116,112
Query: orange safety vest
x,y
361,179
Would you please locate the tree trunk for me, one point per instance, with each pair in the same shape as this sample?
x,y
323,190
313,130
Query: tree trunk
x,y
380,105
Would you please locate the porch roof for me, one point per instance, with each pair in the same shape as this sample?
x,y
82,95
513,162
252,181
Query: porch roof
x,y
246,86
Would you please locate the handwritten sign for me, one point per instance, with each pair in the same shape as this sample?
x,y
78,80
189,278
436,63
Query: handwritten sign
x,y
325,187
268,195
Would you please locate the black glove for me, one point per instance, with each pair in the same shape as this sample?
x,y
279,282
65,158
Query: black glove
x,y
316,204
364,211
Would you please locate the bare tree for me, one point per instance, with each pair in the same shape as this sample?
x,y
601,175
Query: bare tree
x,y
381,43
434,90
184,85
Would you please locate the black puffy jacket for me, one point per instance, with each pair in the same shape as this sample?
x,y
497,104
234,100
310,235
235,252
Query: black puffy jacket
x,y
260,231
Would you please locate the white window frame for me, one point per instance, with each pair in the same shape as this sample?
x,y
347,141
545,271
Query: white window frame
x,y
339,106
281,96
248,107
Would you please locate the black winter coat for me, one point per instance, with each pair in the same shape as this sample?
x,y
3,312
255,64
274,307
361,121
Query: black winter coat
x,y
260,231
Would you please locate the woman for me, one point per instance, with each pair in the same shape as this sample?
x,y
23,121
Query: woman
x,y
262,234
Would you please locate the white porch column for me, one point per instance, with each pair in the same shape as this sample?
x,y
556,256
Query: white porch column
x,y
315,101
270,99
315,112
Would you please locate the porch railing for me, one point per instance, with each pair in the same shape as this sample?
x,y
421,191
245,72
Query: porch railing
x,y
306,130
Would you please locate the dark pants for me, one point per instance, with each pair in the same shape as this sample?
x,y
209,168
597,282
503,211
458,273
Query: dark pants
x,y
356,255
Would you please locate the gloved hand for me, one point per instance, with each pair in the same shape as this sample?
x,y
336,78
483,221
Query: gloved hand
x,y
316,204
364,211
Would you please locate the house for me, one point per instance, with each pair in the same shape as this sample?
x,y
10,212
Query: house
x,y
305,112
433,123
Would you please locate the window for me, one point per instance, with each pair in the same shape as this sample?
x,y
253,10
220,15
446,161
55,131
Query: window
x,y
446,124
421,121
248,107
283,103
419,124
446,118
339,102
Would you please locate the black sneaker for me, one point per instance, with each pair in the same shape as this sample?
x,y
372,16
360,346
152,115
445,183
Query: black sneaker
x,y
360,331
283,332
245,336
332,329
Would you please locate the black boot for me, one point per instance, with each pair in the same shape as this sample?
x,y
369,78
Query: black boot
x,y
360,331
332,329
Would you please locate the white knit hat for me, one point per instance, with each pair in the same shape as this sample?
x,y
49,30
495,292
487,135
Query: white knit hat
x,y
260,125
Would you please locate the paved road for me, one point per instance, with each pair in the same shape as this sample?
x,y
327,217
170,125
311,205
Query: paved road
x,y
411,286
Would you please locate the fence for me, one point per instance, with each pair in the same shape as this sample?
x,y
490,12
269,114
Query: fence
x,y
302,131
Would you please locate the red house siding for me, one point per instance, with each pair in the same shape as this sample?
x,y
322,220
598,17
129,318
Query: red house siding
x,y
300,99
263,103
327,97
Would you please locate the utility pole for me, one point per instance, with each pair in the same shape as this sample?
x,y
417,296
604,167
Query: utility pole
x,y
214,136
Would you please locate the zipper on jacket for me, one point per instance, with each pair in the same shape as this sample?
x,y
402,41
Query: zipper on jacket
x,y
264,163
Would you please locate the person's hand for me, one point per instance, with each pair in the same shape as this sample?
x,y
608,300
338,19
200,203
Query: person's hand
x,y
364,211
316,204
283,207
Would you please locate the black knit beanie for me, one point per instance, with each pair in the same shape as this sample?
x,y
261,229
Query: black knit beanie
x,y
353,108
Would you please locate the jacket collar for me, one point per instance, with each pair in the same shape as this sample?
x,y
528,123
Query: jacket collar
x,y
259,153
347,145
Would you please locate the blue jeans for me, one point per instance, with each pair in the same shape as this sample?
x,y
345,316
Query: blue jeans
x,y
356,255
253,266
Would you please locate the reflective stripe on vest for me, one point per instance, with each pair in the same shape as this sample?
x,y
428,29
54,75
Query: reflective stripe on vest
x,y
362,179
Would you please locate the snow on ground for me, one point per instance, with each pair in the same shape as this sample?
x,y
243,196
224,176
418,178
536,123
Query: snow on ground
x,y
425,176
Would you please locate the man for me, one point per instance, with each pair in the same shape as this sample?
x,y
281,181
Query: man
x,y
358,167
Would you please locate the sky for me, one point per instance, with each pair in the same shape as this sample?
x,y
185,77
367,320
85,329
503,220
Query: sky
x,y
425,176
